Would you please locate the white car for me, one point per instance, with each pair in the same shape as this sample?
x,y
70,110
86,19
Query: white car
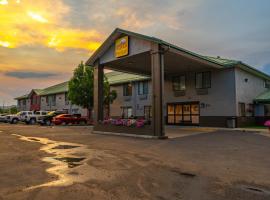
x,y
13,119
31,117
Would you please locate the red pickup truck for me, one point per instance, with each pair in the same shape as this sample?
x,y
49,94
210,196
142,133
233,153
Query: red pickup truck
x,y
65,119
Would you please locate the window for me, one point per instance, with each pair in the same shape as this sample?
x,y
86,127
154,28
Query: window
x,y
51,100
126,112
242,109
250,109
24,102
53,97
267,84
66,99
142,87
127,89
148,112
33,100
47,100
203,80
179,83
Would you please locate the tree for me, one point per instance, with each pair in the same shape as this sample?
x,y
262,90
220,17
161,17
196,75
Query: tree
x,y
13,110
81,87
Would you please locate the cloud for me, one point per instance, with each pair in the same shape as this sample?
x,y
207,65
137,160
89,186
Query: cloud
x,y
39,22
29,74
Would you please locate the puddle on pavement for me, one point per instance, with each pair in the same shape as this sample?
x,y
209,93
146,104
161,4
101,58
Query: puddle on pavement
x,y
65,147
185,174
255,189
69,162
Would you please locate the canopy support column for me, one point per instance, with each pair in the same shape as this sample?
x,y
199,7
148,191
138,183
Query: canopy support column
x,y
157,73
98,92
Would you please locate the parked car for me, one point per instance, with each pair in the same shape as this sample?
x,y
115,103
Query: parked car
x,y
69,119
3,117
47,119
13,119
31,117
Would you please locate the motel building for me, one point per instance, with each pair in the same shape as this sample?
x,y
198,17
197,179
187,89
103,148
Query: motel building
x,y
173,86
51,98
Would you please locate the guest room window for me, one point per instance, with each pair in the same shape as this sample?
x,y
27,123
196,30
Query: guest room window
x,y
242,109
127,89
179,83
142,87
203,80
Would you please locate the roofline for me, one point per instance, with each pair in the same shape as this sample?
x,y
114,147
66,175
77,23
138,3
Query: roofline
x,y
253,71
42,95
21,97
93,58
128,81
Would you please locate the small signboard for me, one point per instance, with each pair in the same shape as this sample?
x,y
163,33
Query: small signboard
x,y
121,47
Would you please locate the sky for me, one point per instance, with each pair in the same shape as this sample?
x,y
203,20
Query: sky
x,y
42,41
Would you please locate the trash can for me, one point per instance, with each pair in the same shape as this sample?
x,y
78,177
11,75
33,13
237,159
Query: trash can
x,y
231,122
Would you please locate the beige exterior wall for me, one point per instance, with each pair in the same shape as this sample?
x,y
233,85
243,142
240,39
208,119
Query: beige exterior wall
x,y
227,89
221,95
137,102
136,46
60,104
21,106
248,87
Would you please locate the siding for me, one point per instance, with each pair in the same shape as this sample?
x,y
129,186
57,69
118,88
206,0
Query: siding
x,y
61,105
221,95
220,100
135,102
246,92
136,46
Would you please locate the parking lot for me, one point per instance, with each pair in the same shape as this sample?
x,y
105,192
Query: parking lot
x,y
69,162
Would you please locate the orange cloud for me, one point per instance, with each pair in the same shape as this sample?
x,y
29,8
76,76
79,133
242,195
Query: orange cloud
x,y
39,22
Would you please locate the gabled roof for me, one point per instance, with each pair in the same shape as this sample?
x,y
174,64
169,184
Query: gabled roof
x,y
222,62
55,89
115,78
263,98
22,97
37,91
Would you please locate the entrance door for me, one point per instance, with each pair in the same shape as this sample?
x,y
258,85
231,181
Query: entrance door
x,y
183,113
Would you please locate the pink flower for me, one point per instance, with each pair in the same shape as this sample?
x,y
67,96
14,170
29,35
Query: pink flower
x,y
267,123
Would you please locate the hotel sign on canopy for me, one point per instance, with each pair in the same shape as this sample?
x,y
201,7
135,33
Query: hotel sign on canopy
x,y
121,47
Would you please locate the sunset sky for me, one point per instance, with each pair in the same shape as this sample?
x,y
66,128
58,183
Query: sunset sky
x,y
42,41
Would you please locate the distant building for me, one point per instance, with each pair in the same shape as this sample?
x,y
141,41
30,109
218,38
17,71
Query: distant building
x,y
51,98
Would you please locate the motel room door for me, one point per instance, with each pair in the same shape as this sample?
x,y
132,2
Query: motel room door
x,y
183,113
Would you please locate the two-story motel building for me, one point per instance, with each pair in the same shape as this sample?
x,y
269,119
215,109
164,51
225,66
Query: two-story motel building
x,y
175,86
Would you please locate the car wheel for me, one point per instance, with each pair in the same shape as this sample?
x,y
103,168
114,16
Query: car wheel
x,y
32,121
48,122
14,121
64,123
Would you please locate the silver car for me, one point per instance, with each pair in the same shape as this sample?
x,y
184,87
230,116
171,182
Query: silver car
x,y
3,117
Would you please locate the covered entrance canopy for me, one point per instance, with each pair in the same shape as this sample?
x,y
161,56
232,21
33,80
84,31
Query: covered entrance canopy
x,y
263,98
135,53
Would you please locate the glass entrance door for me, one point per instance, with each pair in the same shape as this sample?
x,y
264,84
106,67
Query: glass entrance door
x,y
183,113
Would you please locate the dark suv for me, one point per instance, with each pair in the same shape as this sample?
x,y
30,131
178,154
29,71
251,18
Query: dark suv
x,y
47,119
